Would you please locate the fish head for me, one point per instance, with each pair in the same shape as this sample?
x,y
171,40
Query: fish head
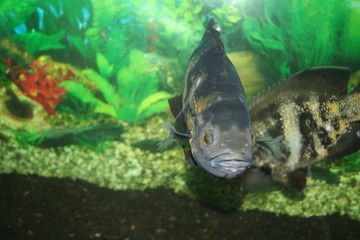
x,y
222,141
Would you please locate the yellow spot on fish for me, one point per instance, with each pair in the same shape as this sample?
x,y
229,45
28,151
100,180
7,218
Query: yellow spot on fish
x,y
334,108
203,103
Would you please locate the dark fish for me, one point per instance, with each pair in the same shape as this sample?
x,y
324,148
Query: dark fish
x,y
212,115
317,118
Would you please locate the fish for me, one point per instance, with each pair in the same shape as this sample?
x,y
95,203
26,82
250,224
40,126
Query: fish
x,y
316,116
212,117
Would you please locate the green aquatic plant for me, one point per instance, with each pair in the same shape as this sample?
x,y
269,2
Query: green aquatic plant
x,y
269,40
352,162
70,16
139,89
46,25
296,34
227,14
116,29
27,138
179,29
105,68
37,42
13,13
80,110
169,29
97,145
135,97
350,38
4,81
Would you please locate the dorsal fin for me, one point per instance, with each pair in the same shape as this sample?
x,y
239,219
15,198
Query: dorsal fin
x,y
323,81
213,33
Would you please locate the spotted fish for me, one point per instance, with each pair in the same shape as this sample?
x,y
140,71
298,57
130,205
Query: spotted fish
x,y
317,118
212,116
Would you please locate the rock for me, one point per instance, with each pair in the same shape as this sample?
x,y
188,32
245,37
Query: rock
x,y
12,50
18,111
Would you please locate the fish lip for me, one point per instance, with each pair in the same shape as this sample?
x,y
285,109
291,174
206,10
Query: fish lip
x,y
230,161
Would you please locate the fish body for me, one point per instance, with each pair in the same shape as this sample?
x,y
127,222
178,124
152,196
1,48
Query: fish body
x,y
316,117
213,112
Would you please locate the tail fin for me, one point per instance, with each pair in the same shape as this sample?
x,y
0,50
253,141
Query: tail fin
x,y
347,144
349,105
350,141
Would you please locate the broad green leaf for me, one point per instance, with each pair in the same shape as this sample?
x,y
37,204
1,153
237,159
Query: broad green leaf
x,y
80,45
273,44
104,86
138,62
103,65
127,113
234,18
197,9
106,109
155,107
188,16
151,99
36,41
13,13
79,91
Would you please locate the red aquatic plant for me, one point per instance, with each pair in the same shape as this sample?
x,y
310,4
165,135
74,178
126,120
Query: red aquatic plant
x,y
10,69
41,83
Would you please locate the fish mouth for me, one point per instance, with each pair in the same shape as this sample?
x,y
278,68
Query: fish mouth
x,y
232,161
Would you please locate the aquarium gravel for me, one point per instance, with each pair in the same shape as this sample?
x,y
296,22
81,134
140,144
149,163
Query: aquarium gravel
x,y
121,166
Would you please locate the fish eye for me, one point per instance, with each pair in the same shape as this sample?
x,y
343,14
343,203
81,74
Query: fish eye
x,y
208,137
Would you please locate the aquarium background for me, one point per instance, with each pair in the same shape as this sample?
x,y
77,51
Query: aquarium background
x,y
84,88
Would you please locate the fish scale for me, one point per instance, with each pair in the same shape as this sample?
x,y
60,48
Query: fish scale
x,y
317,123
302,120
212,112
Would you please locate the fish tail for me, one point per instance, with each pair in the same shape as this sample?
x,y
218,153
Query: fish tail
x,y
349,141
355,100
350,105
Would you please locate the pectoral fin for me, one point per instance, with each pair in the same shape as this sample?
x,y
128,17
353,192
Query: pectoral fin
x,y
174,135
257,180
273,144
